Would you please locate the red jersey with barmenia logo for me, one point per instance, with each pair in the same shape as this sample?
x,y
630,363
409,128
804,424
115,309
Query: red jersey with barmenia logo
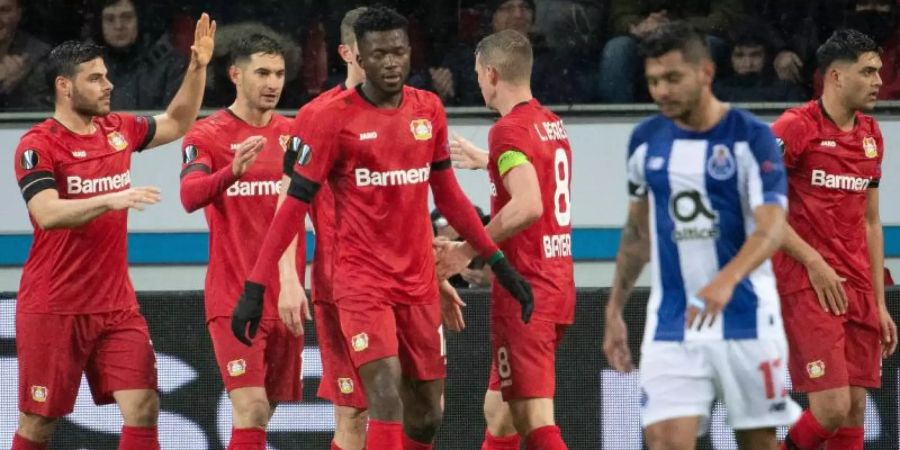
x,y
238,217
377,162
542,253
80,270
321,212
829,172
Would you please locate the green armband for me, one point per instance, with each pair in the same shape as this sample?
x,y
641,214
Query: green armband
x,y
510,159
495,257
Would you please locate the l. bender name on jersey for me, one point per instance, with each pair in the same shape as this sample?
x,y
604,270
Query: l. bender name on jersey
x,y
76,185
553,131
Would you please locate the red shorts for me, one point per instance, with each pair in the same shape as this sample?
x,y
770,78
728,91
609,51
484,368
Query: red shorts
x,y
524,363
274,361
340,383
375,329
828,351
112,349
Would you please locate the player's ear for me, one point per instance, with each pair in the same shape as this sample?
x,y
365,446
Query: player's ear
x,y
233,72
63,87
708,68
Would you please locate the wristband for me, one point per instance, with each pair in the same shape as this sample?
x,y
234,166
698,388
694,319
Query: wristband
x,y
495,257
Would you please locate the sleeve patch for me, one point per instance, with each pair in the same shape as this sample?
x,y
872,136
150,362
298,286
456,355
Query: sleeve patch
x,y
509,160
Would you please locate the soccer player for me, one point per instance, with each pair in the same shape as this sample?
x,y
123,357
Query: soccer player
x,y
830,267
233,161
530,165
708,195
340,380
379,147
75,177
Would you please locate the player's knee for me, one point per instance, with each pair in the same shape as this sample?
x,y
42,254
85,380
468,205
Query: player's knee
x,y
831,408
663,438
141,410
36,428
857,413
350,419
252,412
423,425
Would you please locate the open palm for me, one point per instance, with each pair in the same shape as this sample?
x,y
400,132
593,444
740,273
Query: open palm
x,y
204,40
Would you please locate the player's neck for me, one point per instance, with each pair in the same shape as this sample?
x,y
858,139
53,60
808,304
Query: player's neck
x,y
705,116
354,79
73,121
252,116
380,98
835,110
510,96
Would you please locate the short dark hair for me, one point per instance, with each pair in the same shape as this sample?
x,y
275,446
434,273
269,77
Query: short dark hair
x,y
844,45
348,36
378,18
245,47
510,53
675,36
64,59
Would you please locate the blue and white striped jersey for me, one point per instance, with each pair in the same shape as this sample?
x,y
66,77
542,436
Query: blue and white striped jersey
x,y
703,189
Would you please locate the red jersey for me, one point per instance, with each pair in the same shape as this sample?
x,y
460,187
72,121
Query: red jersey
x,y
80,270
238,214
829,172
542,253
377,163
321,211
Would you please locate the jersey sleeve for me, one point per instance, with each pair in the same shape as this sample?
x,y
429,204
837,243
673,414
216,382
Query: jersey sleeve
x,y
138,129
637,153
879,141
196,152
508,147
764,170
441,158
792,136
318,145
35,170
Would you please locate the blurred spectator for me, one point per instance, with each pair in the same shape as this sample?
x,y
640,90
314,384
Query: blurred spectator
x,y
478,274
878,19
553,80
220,89
22,84
621,65
145,73
751,77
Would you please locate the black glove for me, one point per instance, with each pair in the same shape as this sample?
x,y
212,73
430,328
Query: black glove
x,y
248,311
516,285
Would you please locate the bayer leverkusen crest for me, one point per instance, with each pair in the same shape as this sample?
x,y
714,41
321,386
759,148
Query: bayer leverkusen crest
x,y
117,141
421,129
870,147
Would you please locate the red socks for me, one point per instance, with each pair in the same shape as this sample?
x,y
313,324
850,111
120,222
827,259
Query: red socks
x,y
334,446
847,438
384,435
247,439
20,443
545,438
139,438
492,442
806,434
410,444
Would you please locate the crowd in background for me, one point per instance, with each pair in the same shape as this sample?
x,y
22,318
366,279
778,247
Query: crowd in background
x,y
585,50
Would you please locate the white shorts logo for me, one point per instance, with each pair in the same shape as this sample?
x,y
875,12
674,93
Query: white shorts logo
x,y
360,342
345,385
816,369
39,393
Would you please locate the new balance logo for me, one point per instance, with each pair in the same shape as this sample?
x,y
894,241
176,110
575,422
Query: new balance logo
x,y
366,177
828,143
78,185
253,188
846,182
368,136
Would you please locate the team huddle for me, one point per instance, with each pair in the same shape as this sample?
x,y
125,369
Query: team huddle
x,y
741,282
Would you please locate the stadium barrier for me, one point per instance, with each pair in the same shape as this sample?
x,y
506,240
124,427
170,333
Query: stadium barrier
x,y
597,408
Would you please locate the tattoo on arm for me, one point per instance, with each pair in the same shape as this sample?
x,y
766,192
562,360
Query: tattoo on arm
x,y
634,251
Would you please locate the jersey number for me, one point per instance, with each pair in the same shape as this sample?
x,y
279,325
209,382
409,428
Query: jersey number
x,y
561,198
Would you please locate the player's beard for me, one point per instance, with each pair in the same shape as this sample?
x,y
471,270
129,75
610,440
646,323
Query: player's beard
x,y
85,107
